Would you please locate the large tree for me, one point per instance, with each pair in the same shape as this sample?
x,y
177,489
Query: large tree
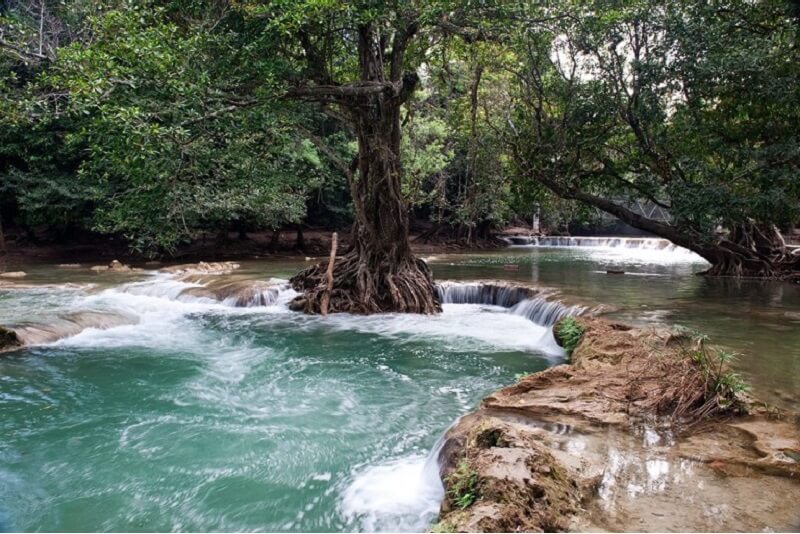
x,y
691,106
360,59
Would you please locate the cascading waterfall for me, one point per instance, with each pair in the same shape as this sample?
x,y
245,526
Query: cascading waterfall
x,y
646,243
234,293
523,301
483,293
545,312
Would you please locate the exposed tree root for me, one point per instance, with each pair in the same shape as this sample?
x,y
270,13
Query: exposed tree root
x,y
754,251
363,286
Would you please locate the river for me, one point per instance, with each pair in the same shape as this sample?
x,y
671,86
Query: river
x,y
204,416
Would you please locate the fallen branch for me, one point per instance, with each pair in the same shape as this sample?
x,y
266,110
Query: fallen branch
x,y
326,295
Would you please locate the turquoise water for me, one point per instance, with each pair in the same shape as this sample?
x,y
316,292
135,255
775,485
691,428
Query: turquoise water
x,y
204,417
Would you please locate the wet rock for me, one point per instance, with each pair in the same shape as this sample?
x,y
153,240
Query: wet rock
x,y
515,483
69,265
238,293
605,441
202,267
14,274
8,339
37,333
118,266
115,266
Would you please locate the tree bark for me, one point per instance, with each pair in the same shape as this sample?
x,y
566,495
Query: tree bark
x,y
2,237
275,242
300,240
379,273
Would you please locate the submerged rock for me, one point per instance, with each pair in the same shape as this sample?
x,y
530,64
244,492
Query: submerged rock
x,y
37,333
65,285
635,424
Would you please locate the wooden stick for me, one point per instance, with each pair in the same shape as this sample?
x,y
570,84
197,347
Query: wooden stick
x,y
326,295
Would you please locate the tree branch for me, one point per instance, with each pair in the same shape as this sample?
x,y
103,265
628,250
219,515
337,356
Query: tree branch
x,y
219,112
399,45
21,53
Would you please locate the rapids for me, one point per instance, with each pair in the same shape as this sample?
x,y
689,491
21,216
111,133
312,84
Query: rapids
x,y
210,412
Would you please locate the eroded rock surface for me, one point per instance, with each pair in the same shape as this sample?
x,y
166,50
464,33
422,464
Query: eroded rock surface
x,y
238,293
23,334
626,437
225,267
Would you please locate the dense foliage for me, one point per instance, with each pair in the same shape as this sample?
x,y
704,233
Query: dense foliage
x,y
155,120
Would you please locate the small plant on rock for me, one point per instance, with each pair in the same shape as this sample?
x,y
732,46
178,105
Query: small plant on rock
x,y
721,382
568,333
463,484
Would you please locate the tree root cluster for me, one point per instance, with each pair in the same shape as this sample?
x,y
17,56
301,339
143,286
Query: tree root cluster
x,y
754,251
363,285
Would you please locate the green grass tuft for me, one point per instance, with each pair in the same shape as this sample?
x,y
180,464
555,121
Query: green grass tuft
x,y
568,333
463,484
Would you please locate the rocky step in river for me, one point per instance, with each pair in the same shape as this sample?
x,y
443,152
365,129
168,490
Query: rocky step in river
x,y
644,430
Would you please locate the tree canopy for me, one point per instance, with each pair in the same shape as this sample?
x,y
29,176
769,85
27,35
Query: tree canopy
x,y
155,120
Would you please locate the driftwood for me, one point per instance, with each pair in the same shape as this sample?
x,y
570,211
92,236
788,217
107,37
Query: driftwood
x,y
326,295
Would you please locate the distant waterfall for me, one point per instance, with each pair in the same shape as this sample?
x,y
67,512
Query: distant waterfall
x,y
647,243
523,301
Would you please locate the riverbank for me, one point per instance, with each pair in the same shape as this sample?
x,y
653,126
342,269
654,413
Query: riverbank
x,y
94,249
644,430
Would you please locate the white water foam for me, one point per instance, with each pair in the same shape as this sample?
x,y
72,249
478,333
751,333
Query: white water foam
x,y
636,249
477,327
165,320
400,495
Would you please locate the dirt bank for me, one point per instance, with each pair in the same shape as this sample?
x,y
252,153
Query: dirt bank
x,y
645,430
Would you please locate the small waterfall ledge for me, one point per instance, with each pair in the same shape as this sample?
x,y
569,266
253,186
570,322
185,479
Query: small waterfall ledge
x,y
535,304
644,243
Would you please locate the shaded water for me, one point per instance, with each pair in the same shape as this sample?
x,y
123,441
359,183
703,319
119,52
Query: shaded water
x,y
207,417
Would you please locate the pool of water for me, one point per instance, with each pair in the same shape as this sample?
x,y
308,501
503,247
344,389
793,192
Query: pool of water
x,y
205,417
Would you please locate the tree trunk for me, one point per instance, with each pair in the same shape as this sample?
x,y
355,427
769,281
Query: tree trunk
x,y
300,240
2,237
275,242
379,273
